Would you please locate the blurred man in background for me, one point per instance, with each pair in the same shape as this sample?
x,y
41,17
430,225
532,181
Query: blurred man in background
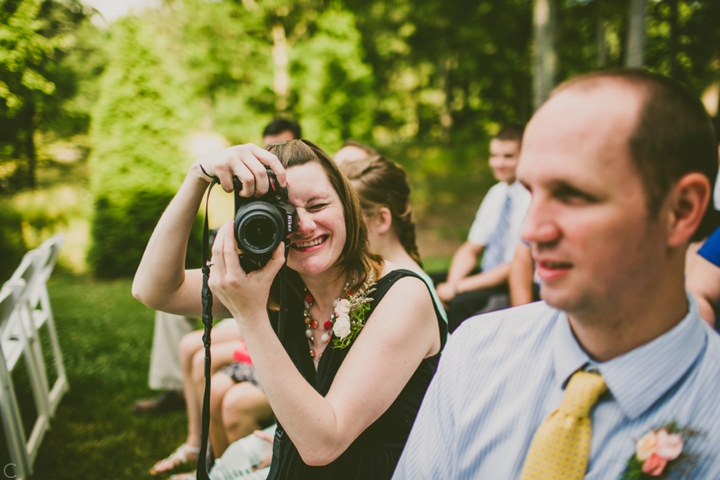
x,y
494,235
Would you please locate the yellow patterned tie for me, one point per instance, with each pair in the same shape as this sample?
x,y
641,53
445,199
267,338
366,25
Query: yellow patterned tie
x,y
561,445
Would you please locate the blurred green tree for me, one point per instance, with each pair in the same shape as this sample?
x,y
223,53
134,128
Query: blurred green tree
x,y
332,83
136,161
35,36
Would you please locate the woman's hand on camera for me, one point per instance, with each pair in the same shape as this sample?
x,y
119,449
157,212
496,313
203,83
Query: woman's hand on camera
x,y
245,295
246,162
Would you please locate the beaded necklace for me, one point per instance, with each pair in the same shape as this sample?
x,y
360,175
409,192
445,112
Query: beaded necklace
x,y
312,324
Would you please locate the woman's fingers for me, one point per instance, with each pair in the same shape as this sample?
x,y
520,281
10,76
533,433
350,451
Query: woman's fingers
x,y
277,261
269,159
257,183
246,177
219,267
229,252
247,163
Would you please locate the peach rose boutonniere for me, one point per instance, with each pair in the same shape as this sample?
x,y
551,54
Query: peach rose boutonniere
x,y
350,313
661,453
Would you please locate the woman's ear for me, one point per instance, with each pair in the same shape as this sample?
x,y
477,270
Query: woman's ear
x,y
384,220
687,202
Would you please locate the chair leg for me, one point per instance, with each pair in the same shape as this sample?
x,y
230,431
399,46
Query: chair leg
x,y
58,389
12,424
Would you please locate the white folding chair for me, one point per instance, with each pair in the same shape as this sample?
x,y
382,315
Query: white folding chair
x,y
29,272
14,345
39,303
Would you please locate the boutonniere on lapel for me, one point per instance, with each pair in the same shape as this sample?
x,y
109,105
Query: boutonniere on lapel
x,y
662,453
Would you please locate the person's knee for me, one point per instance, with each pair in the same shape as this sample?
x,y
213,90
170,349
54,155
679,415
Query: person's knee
x,y
244,403
198,368
219,387
190,344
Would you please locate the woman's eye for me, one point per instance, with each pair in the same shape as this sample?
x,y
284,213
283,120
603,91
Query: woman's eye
x,y
316,207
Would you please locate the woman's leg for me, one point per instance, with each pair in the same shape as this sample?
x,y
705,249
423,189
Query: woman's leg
x,y
190,345
245,409
220,385
221,355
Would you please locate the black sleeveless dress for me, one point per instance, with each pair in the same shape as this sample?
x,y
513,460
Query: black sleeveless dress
x,y
376,452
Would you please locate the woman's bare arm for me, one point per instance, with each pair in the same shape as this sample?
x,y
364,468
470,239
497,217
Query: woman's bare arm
x,y
161,281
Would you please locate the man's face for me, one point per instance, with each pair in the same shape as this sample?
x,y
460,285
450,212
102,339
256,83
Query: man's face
x,y
281,137
504,156
595,246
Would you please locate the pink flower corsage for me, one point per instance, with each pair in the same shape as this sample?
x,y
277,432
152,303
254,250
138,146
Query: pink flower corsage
x,y
660,452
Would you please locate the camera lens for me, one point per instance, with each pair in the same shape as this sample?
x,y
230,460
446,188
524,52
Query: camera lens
x,y
259,232
258,228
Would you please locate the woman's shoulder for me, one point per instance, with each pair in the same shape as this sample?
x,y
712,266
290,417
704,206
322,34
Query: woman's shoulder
x,y
392,272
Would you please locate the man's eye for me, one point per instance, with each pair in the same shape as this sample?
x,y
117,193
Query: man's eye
x,y
569,194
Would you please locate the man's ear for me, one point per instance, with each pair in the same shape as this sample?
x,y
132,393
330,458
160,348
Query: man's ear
x,y
384,220
688,200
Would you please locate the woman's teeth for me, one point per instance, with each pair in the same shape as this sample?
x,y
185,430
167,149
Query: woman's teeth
x,y
311,243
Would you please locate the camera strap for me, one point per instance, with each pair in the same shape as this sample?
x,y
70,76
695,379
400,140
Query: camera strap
x,y
207,319
201,472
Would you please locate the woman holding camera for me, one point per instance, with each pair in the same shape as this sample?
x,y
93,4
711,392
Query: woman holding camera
x,y
362,338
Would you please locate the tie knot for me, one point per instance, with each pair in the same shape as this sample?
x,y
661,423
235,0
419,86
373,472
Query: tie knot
x,y
581,393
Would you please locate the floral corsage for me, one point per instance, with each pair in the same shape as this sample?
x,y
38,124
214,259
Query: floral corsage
x,y
661,453
350,313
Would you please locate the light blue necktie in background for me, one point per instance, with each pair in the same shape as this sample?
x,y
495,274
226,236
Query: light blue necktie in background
x,y
495,251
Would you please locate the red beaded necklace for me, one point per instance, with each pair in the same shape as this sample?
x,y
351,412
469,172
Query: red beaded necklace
x,y
312,324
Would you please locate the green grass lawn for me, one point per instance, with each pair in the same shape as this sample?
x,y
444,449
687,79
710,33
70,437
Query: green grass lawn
x,y
106,337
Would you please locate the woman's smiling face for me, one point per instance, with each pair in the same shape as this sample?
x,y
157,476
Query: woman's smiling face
x,y
318,242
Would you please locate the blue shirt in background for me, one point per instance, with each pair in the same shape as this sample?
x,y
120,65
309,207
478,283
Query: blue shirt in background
x,y
710,250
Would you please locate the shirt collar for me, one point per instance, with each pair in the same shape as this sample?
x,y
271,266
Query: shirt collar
x,y
640,377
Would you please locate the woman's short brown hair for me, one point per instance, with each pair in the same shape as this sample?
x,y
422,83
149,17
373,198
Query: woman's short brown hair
x,y
356,260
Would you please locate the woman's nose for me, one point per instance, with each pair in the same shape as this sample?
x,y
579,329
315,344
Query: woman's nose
x,y
305,222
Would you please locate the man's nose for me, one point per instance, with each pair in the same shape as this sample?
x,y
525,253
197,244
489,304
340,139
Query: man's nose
x,y
540,223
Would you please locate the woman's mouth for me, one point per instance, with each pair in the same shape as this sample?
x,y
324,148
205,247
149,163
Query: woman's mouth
x,y
309,244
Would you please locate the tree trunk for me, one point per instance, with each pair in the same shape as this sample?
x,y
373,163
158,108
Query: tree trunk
x,y
446,119
281,83
600,34
27,117
601,43
545,22
636,34
673,41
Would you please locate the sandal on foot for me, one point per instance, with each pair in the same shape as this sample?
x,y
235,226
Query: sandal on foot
x,y
184,456
183,476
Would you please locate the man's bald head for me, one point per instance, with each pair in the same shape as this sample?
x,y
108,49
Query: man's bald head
x,y
673,134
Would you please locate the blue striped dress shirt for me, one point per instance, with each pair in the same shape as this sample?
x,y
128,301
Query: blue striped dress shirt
x,y
503,373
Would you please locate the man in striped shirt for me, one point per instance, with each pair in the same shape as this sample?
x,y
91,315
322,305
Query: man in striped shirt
x,y
620,166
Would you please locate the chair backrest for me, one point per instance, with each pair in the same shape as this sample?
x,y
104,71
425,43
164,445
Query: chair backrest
x,y
9,296
28,268
52,246
12,297
30,271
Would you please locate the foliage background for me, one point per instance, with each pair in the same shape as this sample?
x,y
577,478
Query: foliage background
x,y
100,120
95,114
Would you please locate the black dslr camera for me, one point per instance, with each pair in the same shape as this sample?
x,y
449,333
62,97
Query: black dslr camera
x,y
261,223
